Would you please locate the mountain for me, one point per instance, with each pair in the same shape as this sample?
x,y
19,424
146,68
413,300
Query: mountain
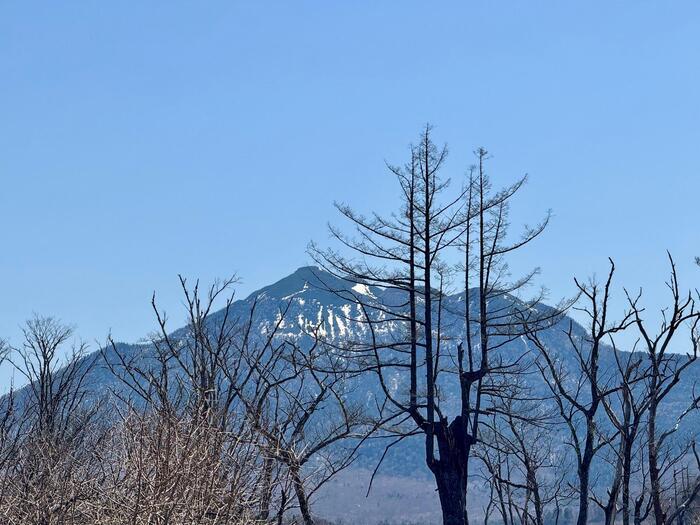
x,y
404,488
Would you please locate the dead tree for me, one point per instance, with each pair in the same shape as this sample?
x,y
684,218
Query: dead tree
x,y
626,409
580,389
297,400
686,489
403,254
13,425
230,414
524,467
185,451
54,473
665,370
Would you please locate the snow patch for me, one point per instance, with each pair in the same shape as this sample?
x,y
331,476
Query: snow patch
x,y
306,287
363,289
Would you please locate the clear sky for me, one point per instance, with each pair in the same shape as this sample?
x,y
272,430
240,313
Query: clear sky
x,y
139,140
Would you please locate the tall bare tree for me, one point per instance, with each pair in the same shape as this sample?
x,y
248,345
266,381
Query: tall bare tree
x,y
407,253
224,401
625,408
580,390
54,472
665,370
13,423
186,453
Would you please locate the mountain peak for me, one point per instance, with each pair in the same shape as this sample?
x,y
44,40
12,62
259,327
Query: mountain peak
x,y
309,271
303,278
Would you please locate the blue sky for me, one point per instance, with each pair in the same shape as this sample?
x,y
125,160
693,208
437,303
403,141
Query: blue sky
x,y
139,140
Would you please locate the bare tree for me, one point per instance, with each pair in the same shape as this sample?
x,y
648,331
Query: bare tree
x,y
629,393
580,392
54,471
235,415
686,489
665,370
523,466
165,468
625,409
297,399
404,253
12,430
186,452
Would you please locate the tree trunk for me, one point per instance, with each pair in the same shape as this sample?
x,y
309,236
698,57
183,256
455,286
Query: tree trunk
x,y
452,493
536,498
266,492
283,507
626,475
583,499
584,478
614,491
654,477
584,468
301,495
450,470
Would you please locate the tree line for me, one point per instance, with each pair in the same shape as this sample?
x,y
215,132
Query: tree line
x,y
230,420
501,430
209,424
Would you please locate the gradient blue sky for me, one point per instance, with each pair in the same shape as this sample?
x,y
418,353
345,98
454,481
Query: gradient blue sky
x,y
143,139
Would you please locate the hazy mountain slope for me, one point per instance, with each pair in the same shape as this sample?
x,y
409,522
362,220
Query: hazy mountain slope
x,y
405,480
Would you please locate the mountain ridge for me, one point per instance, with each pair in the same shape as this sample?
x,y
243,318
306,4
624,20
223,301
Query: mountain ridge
x,y
306,296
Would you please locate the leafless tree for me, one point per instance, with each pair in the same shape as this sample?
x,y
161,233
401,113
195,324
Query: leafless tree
x,y
235,415
686,488
406,253
297,399
54,472
165,468
12,431
186,453
523,464
626,409
580,390
629,391
665,370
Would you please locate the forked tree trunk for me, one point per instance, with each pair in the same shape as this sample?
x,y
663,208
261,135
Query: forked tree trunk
x,y
610,509
450,471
